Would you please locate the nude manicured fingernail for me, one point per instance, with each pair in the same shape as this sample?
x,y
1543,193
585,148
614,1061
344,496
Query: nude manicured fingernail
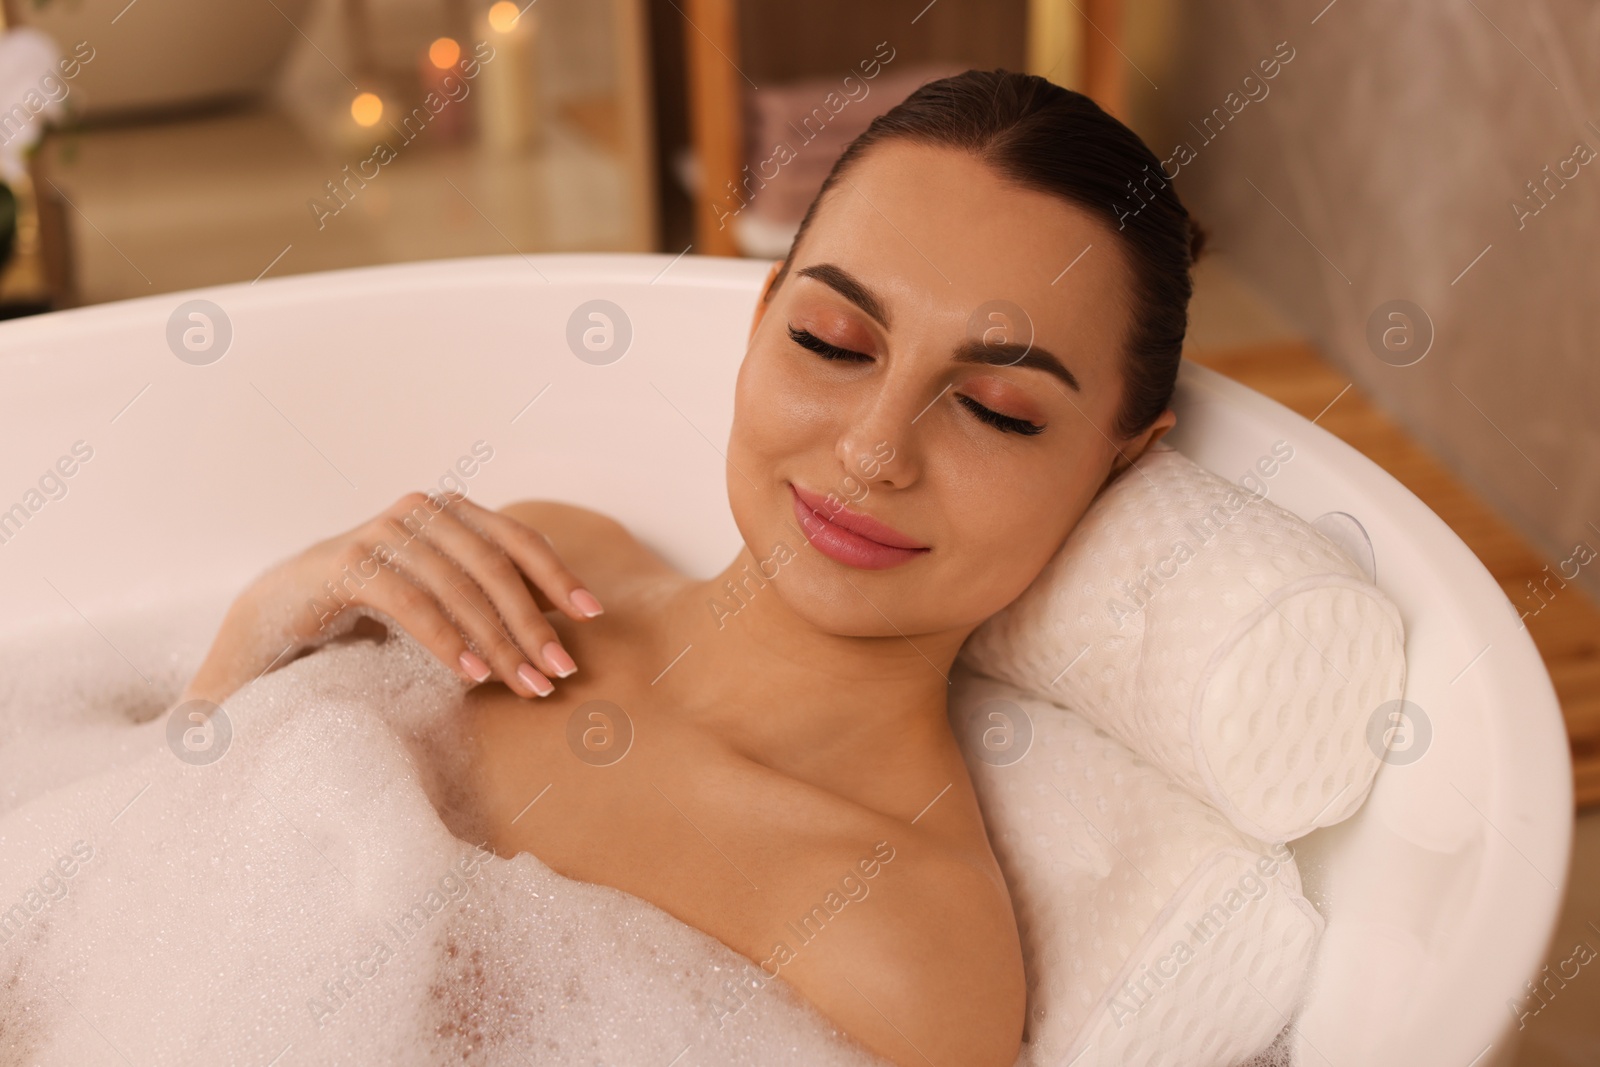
x,y
474,666
585,602
535,681
557,657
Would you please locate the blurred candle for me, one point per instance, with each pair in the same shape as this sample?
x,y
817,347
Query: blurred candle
x,y
366,109
441,76
362,126
509,108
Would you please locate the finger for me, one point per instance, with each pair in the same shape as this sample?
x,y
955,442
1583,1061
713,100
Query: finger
x,y
465,600
419,613
487,564
532,552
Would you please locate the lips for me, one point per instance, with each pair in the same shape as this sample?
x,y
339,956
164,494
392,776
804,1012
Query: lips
x,y
850,537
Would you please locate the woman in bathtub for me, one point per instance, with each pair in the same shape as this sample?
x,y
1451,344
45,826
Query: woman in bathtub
x,y
978,325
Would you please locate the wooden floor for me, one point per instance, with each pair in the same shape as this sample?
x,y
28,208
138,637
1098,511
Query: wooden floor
x,y
1566,631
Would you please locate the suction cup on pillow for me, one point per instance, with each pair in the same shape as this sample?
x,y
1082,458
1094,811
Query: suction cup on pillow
x,y
1346,531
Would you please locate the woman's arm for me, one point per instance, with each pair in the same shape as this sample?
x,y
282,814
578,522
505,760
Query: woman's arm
x,y
470,584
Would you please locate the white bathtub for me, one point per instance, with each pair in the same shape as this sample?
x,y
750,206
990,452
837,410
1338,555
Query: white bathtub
x,y
340,391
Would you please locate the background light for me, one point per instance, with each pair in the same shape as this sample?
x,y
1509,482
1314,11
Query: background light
x,y
366,109
443,53
503,16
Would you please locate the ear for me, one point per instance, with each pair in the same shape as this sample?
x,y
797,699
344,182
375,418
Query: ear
x,y
766,294
1137,447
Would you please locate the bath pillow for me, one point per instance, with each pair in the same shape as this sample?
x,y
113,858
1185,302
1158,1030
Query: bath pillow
x,y
1154,933
1215,634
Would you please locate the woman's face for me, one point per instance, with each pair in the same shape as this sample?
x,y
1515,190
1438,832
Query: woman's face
x,y
891,375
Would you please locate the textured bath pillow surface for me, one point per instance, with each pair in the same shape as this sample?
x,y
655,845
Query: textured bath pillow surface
x,y
1216,634
1154,933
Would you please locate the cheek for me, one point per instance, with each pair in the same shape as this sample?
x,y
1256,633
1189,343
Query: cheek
x,y
754,411
1009,524
777,410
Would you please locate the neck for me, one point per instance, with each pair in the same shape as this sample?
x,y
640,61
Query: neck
x,y
796,697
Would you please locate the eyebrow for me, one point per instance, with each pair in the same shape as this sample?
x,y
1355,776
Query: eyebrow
x,y
970,351
845,284
1016,356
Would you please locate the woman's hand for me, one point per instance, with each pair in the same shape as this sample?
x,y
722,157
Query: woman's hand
x,y
468,583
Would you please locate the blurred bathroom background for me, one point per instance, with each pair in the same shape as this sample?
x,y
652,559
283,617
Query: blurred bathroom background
x,y
1403,221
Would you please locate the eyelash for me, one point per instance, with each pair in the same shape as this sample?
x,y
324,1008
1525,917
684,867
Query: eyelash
x,y
1005,423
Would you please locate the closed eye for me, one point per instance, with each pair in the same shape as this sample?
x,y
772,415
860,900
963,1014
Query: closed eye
x,y
1005,423
809,340
999,421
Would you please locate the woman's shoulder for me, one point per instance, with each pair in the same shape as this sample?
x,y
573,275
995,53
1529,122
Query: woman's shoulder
x,y
560,521
593,544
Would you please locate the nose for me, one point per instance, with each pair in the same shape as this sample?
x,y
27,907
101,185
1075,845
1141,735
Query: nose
x,y
877,443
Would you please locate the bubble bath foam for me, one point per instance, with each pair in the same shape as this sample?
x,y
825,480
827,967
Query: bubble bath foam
x,y
314,894
302,899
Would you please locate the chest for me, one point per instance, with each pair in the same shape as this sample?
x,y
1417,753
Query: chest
x,y
603,784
